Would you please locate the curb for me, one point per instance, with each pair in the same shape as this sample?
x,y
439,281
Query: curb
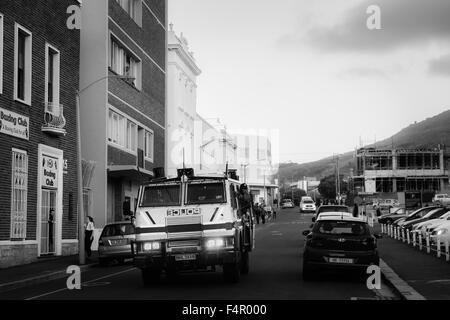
x,y
5,287
400,287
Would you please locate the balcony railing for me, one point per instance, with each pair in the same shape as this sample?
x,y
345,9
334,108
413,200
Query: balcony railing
x,y
54,121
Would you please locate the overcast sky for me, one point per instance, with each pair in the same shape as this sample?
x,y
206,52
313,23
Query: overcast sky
x,y
314,71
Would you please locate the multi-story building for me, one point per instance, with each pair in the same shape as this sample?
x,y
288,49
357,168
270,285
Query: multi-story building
x,y
39,63
391,171
255,166
122,100
181,103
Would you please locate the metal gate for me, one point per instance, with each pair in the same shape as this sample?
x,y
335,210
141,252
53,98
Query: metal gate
x,y
48,215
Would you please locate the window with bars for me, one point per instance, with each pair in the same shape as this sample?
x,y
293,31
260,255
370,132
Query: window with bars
x,y
19,188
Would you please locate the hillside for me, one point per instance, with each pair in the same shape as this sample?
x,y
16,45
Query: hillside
x,y
425,134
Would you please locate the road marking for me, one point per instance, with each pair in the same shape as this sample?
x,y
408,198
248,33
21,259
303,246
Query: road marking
x,y
82,284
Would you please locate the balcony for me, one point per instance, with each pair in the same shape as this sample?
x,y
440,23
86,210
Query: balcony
x,y
54,121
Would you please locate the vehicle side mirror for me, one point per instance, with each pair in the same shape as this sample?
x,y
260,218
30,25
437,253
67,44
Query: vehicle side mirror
x,y
313,219
306,232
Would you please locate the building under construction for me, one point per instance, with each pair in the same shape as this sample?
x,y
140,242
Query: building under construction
x,y
389,171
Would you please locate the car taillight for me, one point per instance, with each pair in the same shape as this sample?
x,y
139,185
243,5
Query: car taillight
x,y
316,243
100,242
370,242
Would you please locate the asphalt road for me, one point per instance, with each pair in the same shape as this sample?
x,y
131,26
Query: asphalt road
x,y
275,273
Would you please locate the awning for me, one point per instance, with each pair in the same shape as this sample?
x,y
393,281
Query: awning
x,y
131,172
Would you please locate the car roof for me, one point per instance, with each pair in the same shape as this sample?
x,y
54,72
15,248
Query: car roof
x,y
340,217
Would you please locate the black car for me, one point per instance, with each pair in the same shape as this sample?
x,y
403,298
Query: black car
x,y
339,243
388,218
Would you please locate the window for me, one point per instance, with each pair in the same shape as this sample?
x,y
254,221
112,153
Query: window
x,y
202,193
162,195
131,136
19,186
149,145
52,60
124,63
116,128
22,65
133,8
1,53
122,131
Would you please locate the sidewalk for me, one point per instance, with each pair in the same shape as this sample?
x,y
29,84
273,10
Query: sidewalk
x,y
45,269
425,273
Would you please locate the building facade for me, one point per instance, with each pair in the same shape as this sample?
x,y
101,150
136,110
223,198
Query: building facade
x,y
181,103
122,100
39,63
392,171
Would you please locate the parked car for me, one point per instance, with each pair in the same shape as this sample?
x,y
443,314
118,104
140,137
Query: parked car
x,y
433,214
441,199
419,213
429,225
393,216
287,203
307,205
115,242
330,208
337,242
442,233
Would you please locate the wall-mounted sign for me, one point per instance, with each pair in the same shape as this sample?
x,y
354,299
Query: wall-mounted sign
x,y
49,172
14,124
370,185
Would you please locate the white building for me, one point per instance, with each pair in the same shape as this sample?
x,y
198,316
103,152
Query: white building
x,y
181,103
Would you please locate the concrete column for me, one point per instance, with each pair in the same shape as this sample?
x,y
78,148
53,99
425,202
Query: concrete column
x,y
394,185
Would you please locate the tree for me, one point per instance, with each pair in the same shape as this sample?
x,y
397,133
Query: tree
x,y
327,186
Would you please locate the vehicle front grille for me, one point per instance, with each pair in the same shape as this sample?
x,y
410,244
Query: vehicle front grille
x,y
184,243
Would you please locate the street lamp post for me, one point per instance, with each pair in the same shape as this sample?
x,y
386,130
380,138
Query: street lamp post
x,y
81,242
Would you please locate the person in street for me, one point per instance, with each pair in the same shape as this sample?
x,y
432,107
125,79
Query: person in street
x,y
89,236
263,213
257,212
378,212
245,205
355,210
51,220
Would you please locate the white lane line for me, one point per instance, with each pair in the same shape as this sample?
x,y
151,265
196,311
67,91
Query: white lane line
x,y
101,278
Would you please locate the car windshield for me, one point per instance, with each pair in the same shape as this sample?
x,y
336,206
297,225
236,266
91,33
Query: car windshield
x,y
118,230
352,228
333,209
420,212
308,201
205,192
435,214
161,195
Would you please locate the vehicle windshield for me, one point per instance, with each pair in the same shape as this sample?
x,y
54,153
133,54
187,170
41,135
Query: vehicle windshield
x,y
161,195
352,228
205,192
118,230
308,201
420,212
333,209
435,213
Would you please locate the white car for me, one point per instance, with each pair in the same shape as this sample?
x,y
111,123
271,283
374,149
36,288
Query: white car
x,y
442,233
441,198
432,224
307,205
287,204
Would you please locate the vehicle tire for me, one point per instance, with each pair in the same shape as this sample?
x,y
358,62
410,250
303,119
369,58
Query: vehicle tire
x,y
245,262
104,262
151,276
306,272
231,272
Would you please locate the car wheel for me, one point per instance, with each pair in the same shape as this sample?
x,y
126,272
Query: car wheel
x,y
231,272
151,275
245,263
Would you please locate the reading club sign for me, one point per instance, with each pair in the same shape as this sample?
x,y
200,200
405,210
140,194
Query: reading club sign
x,y
14,124
49,172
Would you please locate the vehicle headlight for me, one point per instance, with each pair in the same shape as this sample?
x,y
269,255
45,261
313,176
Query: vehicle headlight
x,y
441,232
215,243
151,246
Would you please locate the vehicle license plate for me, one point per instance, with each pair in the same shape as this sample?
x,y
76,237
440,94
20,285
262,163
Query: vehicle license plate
x,y
185,257
341,260
118,242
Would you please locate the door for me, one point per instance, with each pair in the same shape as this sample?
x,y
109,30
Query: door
x,y
48,215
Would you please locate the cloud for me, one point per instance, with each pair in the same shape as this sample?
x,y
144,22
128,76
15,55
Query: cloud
x,y
403,22
440,66
362,72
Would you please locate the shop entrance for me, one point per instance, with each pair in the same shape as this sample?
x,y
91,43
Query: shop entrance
x,y
48,215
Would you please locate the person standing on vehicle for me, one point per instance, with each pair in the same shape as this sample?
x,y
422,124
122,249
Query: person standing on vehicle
x,y
245,205
89,236
355,210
